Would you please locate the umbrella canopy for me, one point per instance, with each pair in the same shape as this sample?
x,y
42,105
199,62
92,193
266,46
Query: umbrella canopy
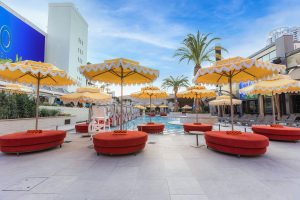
x,y
235,70
151,106
119,71
163,106
150,92
37,73
32,72
196,92
16,88
224,102
139,107
87,95
276,85
187,107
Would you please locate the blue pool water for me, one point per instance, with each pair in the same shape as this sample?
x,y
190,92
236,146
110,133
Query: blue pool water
x,y
163,120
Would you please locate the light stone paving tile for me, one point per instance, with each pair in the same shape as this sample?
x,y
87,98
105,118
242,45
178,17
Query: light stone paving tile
x,y
124,173
151,189
237,189
11,195
288,189
188,197
55,184
184,186
39,197
75,167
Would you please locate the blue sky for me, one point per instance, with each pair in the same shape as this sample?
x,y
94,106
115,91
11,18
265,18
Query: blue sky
x,y
150,31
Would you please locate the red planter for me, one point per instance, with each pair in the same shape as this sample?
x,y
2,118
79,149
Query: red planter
x,y
22,142
114,144
196,127
246,144
278,133
155,128
82,128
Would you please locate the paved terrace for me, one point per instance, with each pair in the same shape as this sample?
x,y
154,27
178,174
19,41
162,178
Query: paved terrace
x,y
168,169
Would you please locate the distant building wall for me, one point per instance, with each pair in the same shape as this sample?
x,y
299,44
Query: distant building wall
x,y
67,39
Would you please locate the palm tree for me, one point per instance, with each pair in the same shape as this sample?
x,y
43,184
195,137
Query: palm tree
x,y
175,84
197,48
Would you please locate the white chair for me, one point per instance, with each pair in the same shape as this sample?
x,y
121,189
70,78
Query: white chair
x,y
99,120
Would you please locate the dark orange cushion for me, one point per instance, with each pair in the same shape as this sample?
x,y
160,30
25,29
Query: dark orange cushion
x,y
108,139
244,140
25,139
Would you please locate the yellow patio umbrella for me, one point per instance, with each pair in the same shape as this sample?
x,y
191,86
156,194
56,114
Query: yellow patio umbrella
x,y
17,88
187,107
224,101
150,92
163,106
36,73
276,85
119,71
236,70
87,95
197,92
151,106
139,107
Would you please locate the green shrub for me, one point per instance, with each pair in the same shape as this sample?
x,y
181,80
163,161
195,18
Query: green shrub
x,y
16,106
44,112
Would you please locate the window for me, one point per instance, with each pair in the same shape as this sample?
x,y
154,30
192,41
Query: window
x,y
272,55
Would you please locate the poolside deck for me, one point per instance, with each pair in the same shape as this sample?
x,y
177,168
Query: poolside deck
x,y
168,169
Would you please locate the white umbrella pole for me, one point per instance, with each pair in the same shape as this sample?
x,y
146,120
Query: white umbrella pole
x,y
37,102
197,110
121,117
150,109
231,106
273,109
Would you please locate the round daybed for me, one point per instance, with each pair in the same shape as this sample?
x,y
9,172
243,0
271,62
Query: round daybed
x,y
82,128
112,143
187,127
30,141
278,132
245,144
155,128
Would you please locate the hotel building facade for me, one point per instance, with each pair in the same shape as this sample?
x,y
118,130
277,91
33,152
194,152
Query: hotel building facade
x,y
282,48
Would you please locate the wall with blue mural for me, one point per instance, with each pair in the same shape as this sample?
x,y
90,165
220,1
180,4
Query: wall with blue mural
x,y
18,39
245,96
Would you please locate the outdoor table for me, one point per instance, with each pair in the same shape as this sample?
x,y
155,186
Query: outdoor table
x,y
197,133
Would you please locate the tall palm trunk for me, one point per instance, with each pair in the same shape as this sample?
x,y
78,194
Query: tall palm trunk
x,y
197,102
196,68
175,101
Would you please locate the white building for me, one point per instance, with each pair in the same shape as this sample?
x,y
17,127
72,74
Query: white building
x,y
277,33
67,40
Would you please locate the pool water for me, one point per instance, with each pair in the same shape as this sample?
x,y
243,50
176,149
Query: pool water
x,y
163,120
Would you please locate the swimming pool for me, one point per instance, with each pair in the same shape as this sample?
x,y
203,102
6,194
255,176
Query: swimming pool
x,y
169,128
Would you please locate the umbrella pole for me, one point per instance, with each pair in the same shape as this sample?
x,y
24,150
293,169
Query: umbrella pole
x,y
273,108
150,108
231,107
122,79
197,109
37,102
